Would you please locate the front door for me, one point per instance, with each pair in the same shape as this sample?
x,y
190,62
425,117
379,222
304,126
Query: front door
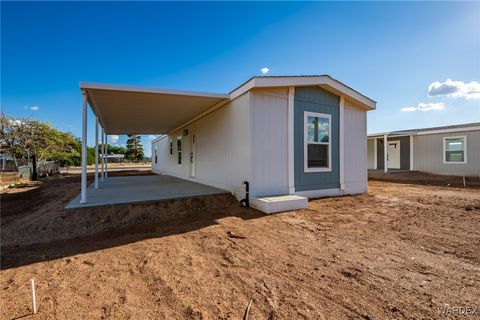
x,y
393,158
193,154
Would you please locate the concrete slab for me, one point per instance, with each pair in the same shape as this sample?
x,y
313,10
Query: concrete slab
x,y
274,204
131,189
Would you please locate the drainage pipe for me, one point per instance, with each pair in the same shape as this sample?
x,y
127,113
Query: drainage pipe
x,y
246,201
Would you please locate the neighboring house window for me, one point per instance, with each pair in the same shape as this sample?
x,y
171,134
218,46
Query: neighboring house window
x,y
171,147
179,150
317,142
155,154
455,149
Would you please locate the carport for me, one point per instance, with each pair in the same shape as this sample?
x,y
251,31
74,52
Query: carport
x,y
120,109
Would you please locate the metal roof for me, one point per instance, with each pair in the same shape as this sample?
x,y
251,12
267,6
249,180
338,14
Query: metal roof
x,y
138,110
324,81
450,128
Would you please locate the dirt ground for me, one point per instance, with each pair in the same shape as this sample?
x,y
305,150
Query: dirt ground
x,y
7,178
423,178
401,252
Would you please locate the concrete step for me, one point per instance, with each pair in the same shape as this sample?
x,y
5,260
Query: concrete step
x,y
273,204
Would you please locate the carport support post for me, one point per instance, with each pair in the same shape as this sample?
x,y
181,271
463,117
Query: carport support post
x,y
385,153
102,174
96,152
83,195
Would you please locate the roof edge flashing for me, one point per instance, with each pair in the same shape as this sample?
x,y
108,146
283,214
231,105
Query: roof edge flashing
x,y
85,86
298,81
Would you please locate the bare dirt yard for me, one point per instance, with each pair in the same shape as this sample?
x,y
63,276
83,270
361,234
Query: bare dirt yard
x,y
401,252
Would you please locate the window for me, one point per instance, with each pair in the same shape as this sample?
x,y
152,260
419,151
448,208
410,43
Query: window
x,y
155,154
454,149
171,147
179,150
317,144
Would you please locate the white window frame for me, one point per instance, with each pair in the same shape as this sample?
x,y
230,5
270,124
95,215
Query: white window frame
x,y
177,151
464,150
170,147
307,114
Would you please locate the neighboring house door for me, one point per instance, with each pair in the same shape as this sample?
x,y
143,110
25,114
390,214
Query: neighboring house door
x,y
393,159
193,154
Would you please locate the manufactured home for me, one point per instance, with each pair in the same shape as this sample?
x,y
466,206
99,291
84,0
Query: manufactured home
x,y
273,142
289,138
448,150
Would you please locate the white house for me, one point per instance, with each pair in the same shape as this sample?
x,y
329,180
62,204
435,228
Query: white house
x,y
290,137
448,150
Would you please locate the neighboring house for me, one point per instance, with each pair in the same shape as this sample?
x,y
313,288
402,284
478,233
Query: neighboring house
x,y
115,157
290,138
448,150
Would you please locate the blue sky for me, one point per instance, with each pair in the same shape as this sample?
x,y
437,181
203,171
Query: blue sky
x,y
392,52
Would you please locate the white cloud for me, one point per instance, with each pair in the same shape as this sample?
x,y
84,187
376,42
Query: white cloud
x,y
455,89
425,107
409,109
265,70
113,138
33,108
431,106
151,137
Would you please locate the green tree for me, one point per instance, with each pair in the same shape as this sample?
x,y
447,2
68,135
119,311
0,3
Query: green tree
x,y
23,139
134,148
114,149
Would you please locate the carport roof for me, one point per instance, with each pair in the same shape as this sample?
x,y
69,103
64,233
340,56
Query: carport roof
x,y
138,110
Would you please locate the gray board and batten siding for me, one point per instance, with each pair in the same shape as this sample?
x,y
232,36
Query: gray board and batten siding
x,y
404,152
315,99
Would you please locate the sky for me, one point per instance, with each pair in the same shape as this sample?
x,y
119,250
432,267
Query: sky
x,y
419,60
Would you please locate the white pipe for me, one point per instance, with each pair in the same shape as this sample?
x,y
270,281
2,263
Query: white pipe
x,y
34,301
106,155
96,152
83,196
385,153
103,156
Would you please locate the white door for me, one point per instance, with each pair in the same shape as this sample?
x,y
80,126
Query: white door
x,y
393,158
193,154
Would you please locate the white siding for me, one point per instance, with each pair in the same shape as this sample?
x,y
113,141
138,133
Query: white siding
x,y
371,153
355,126
270,141
247,140
428,154
223,148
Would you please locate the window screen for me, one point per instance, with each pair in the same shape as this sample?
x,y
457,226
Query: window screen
x,y
179,150
317,141
455,149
